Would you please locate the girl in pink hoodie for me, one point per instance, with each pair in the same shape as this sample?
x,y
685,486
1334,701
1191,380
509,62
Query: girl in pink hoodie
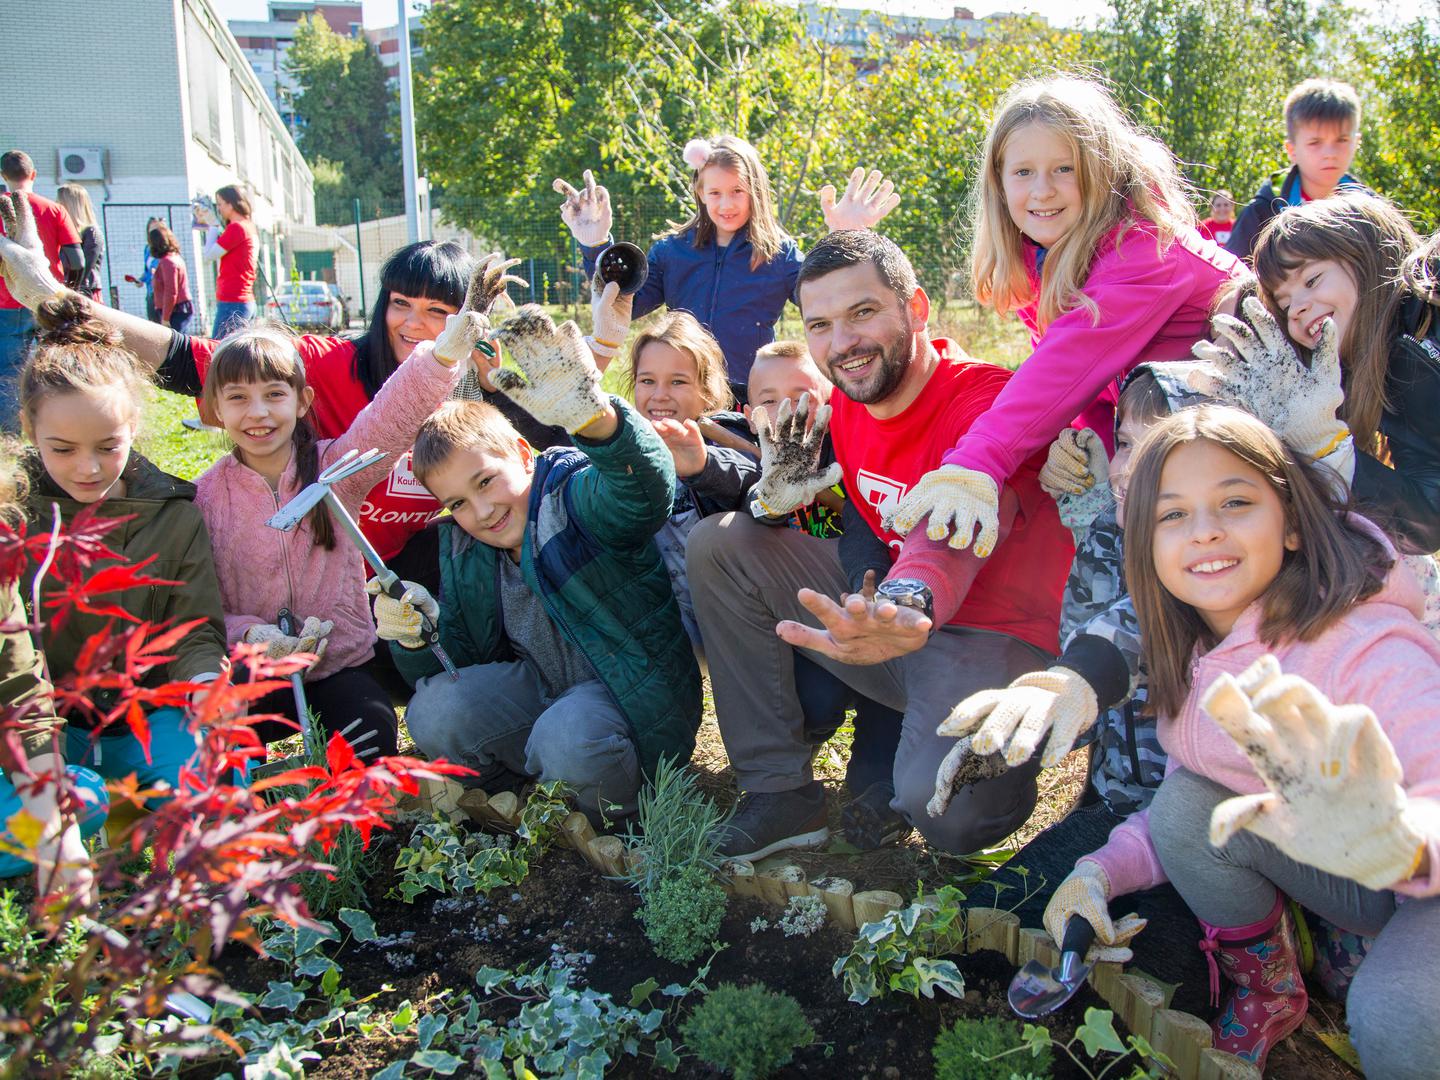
x,y
256,386
1235,551
1084,229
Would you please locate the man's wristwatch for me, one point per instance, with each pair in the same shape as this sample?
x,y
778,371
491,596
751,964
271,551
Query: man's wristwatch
x,y
908,592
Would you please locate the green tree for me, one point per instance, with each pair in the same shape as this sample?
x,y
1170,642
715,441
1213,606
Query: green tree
x,y
344,107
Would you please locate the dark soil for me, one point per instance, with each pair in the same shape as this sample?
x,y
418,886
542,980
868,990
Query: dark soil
x,y
565,907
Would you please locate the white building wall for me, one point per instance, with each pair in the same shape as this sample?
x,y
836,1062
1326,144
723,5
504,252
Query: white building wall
x,y
168,94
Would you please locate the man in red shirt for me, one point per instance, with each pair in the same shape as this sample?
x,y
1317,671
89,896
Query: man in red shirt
x,y
941,625
67,261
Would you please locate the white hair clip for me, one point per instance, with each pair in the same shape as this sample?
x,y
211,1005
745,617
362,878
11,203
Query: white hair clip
x,y
697,152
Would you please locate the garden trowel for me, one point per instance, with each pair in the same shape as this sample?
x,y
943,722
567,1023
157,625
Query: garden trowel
x,y
1038,989
292,513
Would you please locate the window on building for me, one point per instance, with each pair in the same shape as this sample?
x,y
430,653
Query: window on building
x,y
242,108
204,67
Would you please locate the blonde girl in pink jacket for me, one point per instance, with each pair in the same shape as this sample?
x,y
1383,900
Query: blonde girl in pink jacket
x,y
1237,559
256,386
1084,228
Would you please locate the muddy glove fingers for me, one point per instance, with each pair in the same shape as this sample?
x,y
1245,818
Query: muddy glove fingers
x,y
960,767
866,202
1334,800
790,451
1067,466
586,212
957,501
488,283
560,384
1057,702
610,317
23,264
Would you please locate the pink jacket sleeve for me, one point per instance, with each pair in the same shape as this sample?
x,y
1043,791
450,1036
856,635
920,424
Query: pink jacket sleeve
x,y
1128,857
1137,290
391,421
1398,678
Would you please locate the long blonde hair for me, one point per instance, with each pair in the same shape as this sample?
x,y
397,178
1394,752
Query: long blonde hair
x,y
76,201
732,152
683,332
1123,174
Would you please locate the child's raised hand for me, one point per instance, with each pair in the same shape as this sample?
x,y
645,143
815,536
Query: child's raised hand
x,y
23,264
866,202
958,501
686,443
1076,473
790,451
587,211
1334,800
465,330
610,317
1252,365
1058,704
560,384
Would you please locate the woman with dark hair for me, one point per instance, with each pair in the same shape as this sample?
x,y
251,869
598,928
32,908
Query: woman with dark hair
x,y
237,247
419,286
171,280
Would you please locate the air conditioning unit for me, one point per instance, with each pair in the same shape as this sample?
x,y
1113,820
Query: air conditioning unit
x,y
82,163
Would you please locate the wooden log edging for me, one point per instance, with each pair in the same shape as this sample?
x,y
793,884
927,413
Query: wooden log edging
x,y
1136,1000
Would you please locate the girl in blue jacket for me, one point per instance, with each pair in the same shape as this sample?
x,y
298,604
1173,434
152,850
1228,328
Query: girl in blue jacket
x,y
731,264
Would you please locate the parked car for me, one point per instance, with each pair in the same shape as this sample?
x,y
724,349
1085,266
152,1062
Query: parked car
x,y
309,305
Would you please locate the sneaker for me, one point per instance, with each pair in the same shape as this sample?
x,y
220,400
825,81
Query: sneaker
x,y
868,820
771,821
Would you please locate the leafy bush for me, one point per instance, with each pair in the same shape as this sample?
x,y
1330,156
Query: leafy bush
x,y
444,858
682,914
899,952
747,1032
678,845
967,1050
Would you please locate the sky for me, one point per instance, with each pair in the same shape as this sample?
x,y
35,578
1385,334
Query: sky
x,y
1060,12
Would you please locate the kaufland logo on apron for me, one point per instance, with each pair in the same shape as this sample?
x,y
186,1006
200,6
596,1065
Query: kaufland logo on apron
x,y
402,482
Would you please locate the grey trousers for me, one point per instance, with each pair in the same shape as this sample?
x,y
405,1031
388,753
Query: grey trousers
x,y
744,577
498,715
1394,1003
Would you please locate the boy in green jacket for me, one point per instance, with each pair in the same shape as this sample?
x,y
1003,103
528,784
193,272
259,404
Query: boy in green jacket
x,y
554,602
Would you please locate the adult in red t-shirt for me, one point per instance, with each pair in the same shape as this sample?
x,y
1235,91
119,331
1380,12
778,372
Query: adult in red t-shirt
x,y
942,624
236,245
67,262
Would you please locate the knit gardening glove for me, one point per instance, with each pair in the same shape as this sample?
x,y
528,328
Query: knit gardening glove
x,y
953,498
865,204
1057,702
1076,462
468,327
790,450
586,212
401,620
560,384
610,317
1253,366
313,636
1334,800
1086,892
23,264
961,767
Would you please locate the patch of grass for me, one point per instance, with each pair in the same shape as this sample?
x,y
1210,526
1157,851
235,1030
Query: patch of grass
x,y
172,447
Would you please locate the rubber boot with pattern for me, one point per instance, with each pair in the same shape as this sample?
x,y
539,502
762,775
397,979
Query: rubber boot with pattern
x,y
1268,999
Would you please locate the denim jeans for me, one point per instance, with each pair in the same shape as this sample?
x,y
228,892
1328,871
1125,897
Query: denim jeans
x,y
17,329
231,316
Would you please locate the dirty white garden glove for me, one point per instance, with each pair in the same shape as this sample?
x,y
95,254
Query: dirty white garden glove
x,y
400,620
1334,800
468,327
312,637
1086,892
1253,365
790,450
560,384
587,211
1075,463
956,500
865,204
23,264
961,767
610,317
1057,702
